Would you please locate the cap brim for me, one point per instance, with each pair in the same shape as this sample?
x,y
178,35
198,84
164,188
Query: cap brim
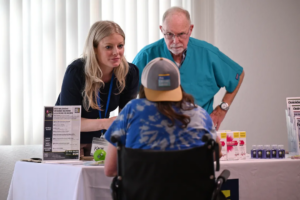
x,y
168,95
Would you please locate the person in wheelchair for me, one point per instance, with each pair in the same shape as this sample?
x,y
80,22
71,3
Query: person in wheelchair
x,y
163,118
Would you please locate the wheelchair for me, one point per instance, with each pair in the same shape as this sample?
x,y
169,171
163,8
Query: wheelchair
x,y
168,175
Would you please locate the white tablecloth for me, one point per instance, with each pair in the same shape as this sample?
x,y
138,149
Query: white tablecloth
x,y
265,179
39,181
258,179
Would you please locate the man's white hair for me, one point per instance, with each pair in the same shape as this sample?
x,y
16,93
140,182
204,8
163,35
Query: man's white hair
x,y
176,9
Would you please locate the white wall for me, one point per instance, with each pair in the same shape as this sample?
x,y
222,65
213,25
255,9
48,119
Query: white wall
x,y
263,37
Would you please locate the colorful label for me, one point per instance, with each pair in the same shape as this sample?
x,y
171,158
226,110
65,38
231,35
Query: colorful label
x,y
223,140
223,136
268,153
274,153
233,145
259,153
242,145
164,80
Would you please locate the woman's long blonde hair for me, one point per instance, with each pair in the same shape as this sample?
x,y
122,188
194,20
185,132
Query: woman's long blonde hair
x,y
93,73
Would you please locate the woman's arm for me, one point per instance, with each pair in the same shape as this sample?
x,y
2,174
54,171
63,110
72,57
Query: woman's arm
x,y
110,166
88,125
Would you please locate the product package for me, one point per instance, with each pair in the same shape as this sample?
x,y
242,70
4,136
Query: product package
x,y
223,139
242,145
233,145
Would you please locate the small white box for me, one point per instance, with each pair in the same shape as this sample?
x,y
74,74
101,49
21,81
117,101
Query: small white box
x,y
233,145
242,145
223,140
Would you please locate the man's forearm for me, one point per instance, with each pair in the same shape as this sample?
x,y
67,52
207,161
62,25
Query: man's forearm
x,y
229,96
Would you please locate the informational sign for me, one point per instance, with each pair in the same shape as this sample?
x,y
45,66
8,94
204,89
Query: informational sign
x,y
292,111
230,189
61,133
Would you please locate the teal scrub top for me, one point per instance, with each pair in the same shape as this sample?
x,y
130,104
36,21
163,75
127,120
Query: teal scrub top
x,y
203,72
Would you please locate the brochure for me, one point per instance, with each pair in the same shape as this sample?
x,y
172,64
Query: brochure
x,y
61,133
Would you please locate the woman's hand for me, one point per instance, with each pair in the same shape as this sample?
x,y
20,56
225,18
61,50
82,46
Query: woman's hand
x,y
88,125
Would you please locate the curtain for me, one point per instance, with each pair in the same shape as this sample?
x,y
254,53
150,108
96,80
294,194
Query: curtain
x,y
39,38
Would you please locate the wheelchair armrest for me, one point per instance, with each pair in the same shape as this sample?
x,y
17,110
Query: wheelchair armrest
x,y
115,138
207,138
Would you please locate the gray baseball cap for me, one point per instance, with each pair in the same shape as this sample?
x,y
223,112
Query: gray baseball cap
x,y
161,80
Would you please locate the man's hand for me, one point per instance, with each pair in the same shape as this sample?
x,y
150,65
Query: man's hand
x,y
217,116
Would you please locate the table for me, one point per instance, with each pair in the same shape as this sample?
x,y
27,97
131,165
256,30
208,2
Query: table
x,y
262,179
259,179
40,181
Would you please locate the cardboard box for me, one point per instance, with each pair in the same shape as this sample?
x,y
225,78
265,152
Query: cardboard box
x,y
223,139
233,145
242,145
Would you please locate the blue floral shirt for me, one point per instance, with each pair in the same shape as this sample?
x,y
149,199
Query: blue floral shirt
x,y
142,126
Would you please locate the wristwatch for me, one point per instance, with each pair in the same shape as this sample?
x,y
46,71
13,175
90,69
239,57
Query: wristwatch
x,y
224,106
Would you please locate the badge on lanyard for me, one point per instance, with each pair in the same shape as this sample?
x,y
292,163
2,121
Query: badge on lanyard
x,y
100,143
107,102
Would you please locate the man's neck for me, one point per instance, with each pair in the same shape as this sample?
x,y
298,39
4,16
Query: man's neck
x,y
178,58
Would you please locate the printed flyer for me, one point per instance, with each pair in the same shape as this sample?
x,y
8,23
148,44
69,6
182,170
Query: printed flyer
x,y
61,133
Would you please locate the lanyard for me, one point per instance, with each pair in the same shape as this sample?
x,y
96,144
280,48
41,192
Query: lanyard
x,y
108,97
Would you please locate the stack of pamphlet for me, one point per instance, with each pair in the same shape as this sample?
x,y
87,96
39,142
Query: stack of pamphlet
x,y
292,114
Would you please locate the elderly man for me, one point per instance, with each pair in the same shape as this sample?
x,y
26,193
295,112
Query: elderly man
x,y
203,68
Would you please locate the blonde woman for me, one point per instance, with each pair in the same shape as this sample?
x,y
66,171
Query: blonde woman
x,y
100,81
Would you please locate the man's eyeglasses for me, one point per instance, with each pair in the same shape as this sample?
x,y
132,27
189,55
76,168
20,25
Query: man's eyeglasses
x,y
171,36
